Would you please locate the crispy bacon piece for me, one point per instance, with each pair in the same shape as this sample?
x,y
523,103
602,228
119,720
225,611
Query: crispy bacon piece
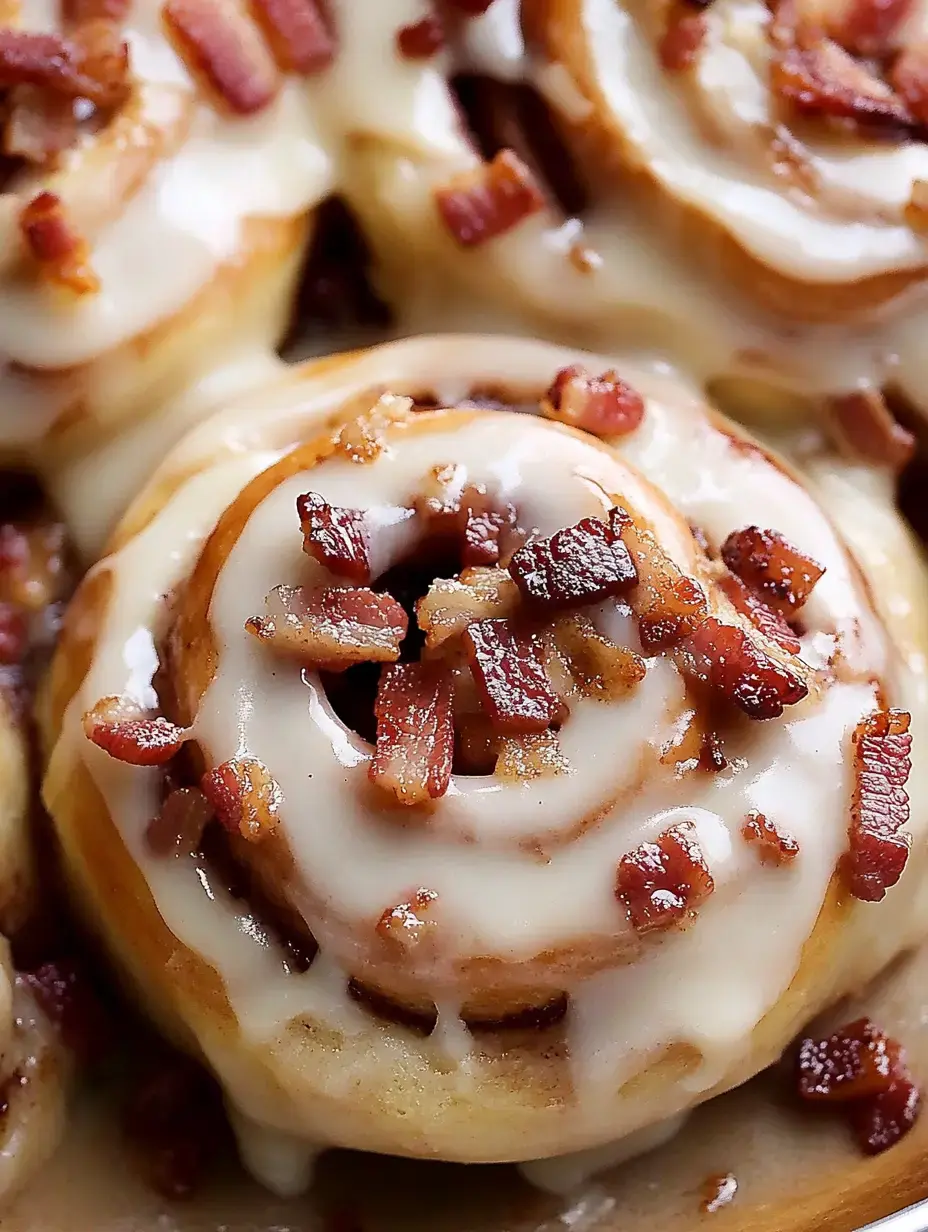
x,y
470,8
682,39
478,205
331,629
510,677
180,824
868,426
14,635
65,995
725,658
222,48
363,435
580,564
93,64
601,405
522,758
415,735
118,727
858,1060
451,604
61,252
668,604
662,884
336,537
244,796
769,564
421,40
866,28
916,209
297,33
405,926
597,666
822,79
879,805
769,622
880,1122
773,847
466,511
908,76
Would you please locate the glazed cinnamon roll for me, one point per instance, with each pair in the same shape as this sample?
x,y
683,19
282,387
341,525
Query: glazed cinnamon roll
x,y
467,782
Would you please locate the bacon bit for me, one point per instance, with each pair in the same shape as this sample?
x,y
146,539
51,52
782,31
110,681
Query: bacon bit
x,y
244,796
859,1060
93,64
334,536
580,564
916,210
822,79
421,40
879,805
869,27
415,734
297,32
331,629
180,824
66,997
451,604
880,1122
682,39
362,438
772,624
909,78
222,47
478,205
118,727
466,510
669,605
599,667
725,658
867,425
79,12
405,926
662,884
470,8
772,846
769,564
61,252
522,758
718,1191
14,635
510,676
601,405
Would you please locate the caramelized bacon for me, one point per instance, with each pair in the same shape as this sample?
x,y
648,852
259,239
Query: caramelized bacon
x,y
331,629
118,727
421,40
683,37
534,756
661,884
244,796
822,79
405,926
879,804
668,604
79,12
725,658
858,1060
601,405
869,428
180,824
769,564
297,33
580,564
749,603
598,667
467,512
868,27
92,65
880,1122
470,8
60,251
908,76
415,736
336,537
222,48
451,604
510,677
772,846
481,204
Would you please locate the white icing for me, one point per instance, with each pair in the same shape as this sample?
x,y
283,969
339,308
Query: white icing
x,y
565,1174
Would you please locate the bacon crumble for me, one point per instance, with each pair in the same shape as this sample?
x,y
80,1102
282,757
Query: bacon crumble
x,y
597,666
405,926
421,40
244,796
120,729
601,405
179,825
662,884
415,734
297,33
468,513
223,48
336,537
769,564
878,851
451,604
61,253
523,758
772,846
869,428
510,676
93,64
481,204
331,629
683,37
668,604
725,658
749,603
581,564
822,79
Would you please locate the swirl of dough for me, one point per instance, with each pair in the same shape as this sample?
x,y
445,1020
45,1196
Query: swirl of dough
x,y
589,852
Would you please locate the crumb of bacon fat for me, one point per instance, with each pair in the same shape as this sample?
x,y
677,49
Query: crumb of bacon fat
x,y
334,536
882,748
880,1122
92,65
405,926
422,39
768,563
117,727
221,46
728,661
297,33
244,796
661,884
669,605
415,736
601,405
331,629
61,253
753,605
489,200
773,847
580,564
823,80
510,676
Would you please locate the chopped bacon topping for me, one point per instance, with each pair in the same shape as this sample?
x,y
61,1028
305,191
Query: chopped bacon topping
x,y
724,657
415,735
297,33
822,79
362,437
661,884
908,76
93,64
769,622
336,537
772,846
470,8
598,667
468,512
451,604
669,605
244,796
601,405
61,252
880,1122
867,27
405,926
510,676
421,40
222,48
580,564
769,564
180,824
878,851
868,426
118,727
478,205
331,629
66,997
534,756
79,12
682,39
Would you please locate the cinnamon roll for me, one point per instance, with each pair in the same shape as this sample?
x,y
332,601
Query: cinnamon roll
x,y
470,783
